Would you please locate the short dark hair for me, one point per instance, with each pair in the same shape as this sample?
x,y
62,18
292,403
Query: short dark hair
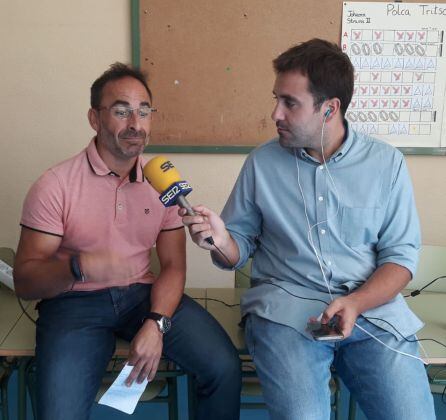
x,y
115,72
329,70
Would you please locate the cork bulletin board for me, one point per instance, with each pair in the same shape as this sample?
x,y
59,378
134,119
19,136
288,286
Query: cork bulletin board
x,y
210,66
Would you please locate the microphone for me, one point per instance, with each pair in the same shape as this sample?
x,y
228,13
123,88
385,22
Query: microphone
x,y
166,180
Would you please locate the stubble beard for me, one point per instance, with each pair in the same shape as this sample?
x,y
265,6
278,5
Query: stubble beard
x,y
116,147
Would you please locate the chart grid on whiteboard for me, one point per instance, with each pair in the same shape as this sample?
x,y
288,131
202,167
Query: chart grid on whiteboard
x,y
398,53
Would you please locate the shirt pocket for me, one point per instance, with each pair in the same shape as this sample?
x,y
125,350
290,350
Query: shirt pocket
x,y
360,225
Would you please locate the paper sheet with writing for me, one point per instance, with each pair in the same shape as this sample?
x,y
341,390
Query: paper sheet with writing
x,y
122,397
400,66
6,275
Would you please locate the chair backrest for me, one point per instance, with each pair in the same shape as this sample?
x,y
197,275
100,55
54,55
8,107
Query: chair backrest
x,y
432,264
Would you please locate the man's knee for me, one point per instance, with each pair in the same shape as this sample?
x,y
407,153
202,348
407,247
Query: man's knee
x,y
59,399
230,366
223,369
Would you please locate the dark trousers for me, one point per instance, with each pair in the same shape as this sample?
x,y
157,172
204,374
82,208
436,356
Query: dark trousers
x,y
75,340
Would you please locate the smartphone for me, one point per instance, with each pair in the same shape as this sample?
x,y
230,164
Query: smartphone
x,y
327,332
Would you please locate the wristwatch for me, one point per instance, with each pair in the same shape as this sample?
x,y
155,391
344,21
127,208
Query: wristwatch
x,y
164,323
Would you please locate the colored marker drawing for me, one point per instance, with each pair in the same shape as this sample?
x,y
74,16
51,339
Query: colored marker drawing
x,y
398,56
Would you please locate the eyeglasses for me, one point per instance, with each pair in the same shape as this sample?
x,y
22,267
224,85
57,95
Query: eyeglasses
x,y
124,112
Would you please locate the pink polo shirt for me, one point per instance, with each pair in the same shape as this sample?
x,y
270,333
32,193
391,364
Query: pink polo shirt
x,y
93,210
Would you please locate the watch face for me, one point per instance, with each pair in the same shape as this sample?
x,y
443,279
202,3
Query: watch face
x,y
165,324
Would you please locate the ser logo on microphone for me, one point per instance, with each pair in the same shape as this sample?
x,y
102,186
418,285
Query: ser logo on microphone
x,y
169,197
166,166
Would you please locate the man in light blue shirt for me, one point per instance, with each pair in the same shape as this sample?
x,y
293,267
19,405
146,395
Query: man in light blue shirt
x,y
328,216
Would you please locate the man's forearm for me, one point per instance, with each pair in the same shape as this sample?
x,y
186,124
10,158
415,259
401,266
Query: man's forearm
x,y
167,292
42,279
229,255
383,285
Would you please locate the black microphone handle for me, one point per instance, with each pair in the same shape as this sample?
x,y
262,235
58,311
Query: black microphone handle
x,y
184,204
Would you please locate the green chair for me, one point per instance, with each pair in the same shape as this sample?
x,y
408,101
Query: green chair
x,y
437,379
250,382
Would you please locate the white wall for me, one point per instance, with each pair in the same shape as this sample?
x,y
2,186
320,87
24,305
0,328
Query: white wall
x,y
50,52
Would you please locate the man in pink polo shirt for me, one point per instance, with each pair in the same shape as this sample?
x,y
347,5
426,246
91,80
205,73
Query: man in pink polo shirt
x,y
88,226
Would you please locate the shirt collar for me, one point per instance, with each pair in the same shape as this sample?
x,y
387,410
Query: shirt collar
x,y
346,144
340,153
136,174
99,167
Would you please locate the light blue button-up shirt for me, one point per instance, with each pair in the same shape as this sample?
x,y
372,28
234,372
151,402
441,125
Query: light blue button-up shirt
x,y
363,217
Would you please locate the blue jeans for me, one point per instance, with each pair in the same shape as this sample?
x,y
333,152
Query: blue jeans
x,y
75,340
295,371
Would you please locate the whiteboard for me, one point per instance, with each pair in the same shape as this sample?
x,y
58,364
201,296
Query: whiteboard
x,y
397,50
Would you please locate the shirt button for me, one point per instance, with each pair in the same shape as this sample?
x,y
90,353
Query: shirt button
x,y
329,262
120,206
321,167
320,198
323,231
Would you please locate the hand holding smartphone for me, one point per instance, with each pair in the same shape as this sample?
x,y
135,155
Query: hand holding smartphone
x,y
325,332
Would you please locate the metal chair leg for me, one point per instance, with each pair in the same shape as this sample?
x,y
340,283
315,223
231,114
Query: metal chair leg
x,y
4,397
172,398
8,364
191,397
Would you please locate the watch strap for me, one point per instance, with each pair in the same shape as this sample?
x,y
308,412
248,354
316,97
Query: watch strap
x,y
163,321
152,315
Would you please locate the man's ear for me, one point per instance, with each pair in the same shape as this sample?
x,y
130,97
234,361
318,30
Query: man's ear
x,y
331,108
93,118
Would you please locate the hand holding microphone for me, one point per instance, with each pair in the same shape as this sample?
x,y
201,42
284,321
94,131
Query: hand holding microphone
x,y
205,222
164,177
167,181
